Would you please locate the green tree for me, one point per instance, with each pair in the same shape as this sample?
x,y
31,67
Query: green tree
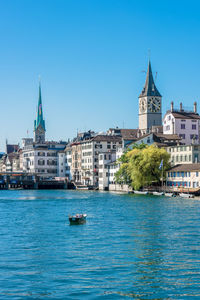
x,y
142,166
123,175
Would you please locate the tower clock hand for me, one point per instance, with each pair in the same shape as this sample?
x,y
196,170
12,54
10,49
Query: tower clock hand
x,y
156,105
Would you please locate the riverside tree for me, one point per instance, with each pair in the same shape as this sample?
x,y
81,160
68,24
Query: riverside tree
x,y
140,166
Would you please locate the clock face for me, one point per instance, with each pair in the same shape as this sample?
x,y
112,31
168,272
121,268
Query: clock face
x,y
142,105
154,104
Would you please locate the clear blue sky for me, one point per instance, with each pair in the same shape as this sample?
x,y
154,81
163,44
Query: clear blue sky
x,y
90,55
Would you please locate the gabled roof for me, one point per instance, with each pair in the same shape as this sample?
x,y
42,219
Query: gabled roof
x,y
183,115
126,134
150,87
107,138
129,134
185,168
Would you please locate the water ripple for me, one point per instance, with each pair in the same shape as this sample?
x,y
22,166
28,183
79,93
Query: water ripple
x,y
130,247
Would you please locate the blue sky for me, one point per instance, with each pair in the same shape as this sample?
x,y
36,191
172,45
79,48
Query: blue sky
x,y
90,55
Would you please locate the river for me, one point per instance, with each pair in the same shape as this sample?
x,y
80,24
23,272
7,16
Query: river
x,y
131,247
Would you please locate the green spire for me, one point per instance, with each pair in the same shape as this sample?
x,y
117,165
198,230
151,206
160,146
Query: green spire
x,y
39,119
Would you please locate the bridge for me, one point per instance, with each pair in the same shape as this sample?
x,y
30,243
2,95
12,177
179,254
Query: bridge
x,y
20,180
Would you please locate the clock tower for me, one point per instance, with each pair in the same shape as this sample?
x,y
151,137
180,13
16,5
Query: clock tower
x,y
39,123
150,101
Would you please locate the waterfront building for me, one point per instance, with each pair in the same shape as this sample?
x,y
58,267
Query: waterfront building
x,y
150,104
90,155
76,162
184,123
68,162
11,160
108,166
184,176
184,154
61,164
105,160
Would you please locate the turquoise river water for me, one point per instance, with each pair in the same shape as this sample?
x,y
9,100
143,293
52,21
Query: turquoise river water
x,y
132,246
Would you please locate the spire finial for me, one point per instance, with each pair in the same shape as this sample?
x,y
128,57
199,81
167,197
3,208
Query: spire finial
x,y
149,54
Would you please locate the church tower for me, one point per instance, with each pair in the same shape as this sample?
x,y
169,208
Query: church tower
x,y
150,104
39,123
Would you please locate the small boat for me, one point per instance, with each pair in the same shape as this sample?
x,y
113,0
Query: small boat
x,y
184,195
170,195
140,192
82,187
77,219
158,193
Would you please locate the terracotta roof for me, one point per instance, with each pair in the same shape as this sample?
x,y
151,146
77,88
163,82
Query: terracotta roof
x,y
160,136
129,134
185,168
11,148
183,115
168,136
107,138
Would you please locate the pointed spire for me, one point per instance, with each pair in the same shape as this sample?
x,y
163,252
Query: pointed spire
x,y
149,88
39,119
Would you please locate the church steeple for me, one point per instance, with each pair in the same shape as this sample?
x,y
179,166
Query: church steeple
x,y
150,104
39,123
150,87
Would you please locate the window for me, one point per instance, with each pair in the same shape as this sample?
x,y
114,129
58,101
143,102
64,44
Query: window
x,y
41,153
41,162
182,126
196,157
197,174
193,136
194,126
167,127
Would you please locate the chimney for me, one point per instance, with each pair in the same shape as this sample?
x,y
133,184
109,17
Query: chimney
x,y
181,106
172,106
195,107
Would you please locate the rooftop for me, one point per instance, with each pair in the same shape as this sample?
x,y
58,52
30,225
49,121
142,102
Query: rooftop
x,y
186,168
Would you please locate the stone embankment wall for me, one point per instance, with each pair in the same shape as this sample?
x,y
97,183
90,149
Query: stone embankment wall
x,y
120,188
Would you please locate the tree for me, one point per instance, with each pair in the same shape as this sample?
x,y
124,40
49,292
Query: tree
x,y
142,166
123,175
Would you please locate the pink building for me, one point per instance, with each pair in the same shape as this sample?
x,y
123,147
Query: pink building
x,y
186,124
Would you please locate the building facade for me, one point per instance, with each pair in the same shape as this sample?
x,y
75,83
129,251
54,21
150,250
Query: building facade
x,y
90,156
186,124
183,176
184,154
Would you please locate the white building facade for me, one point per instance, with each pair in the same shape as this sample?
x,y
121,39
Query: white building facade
x,y
90,156
183,123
